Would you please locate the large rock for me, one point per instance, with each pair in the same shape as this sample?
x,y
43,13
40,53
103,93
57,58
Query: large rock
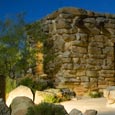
x,y
4,110
62,94
17,92
41,95
60,108
75,112
20,105
109,94
90,112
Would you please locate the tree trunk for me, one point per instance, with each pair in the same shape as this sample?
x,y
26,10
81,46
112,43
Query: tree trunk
x,y
2,86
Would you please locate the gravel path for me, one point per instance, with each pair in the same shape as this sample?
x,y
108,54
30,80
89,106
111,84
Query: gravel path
x,y
84,104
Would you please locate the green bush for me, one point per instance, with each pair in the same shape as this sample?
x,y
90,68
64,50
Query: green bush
x,y
95,94
27,82
39,85
10,84
51,99
46,109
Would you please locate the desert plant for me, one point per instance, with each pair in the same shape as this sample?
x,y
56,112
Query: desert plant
x,y
95,94
10,85
46,109
26,82
40,85
51,99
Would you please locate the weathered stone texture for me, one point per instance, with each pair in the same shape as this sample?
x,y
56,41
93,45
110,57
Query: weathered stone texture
x,y
85,43
4,110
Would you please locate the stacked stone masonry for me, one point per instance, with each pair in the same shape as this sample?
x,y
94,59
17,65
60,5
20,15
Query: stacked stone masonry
x,y
83,43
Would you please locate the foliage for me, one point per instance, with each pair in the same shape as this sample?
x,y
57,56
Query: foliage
x,y
27,82
34,85
19,55
36,33
10,84
52,99
40,85
12,42
46,109
95,94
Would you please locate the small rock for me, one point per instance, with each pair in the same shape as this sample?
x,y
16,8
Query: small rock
x,y
20,105
75,112
90,112
4,110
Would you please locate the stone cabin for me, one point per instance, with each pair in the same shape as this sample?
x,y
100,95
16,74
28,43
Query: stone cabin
x,y
82,44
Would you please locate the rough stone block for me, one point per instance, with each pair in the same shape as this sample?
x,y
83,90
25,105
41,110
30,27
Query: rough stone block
x,y
67,46
98,38
85,84
62,24
94,50
84,79
93,79
79,66
81,73
73,11
90,20
92,73
66,54
69,37
79,43
91,112
66,60
75,112
76,60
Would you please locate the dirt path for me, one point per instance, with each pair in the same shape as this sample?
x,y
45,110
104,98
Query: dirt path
x,y
98,104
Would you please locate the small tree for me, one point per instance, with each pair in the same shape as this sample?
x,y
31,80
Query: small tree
x,y
16,55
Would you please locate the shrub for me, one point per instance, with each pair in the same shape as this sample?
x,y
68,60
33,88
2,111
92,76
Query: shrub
x,y
27,82
46,109
40,85
10,84
51,99
95,94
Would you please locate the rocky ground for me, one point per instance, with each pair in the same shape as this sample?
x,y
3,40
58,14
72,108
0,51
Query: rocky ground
x,y
84,104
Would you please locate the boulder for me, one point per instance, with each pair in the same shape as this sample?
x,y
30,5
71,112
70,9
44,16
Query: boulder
x,y
60,108
61,94
4,110
75,112
20,105
109,94
41,95
17,92
90,112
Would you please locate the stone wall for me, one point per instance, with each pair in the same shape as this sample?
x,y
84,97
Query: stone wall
x,y
82,46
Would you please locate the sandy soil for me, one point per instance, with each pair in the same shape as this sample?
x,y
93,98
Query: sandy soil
x,y
99,104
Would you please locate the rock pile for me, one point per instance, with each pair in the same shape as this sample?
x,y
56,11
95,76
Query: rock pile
x,y
20,103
